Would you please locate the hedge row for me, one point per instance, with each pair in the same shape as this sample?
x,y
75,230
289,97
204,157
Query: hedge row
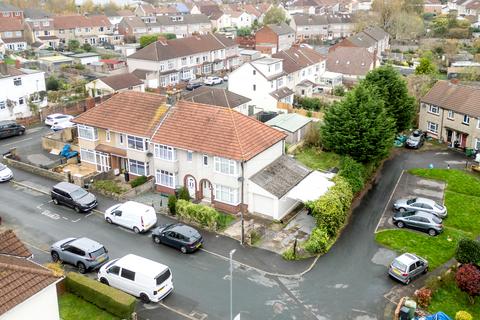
x,y
330,211
204,215
110,299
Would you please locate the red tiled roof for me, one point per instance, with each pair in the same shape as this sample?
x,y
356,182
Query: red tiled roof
x,y
10,24
131,112
12,246
121,81
215,130
77,21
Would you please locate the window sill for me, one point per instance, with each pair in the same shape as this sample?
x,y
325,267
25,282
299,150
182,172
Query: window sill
x,y
437,114
465,124
435,133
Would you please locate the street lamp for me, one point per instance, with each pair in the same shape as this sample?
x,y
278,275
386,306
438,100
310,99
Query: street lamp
x,y
231,283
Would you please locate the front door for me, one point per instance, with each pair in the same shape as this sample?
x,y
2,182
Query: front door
x,y
206,190
191,187
103,162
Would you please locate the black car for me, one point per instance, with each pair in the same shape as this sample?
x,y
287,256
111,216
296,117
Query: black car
x,y
415,140
9,128
73,196
179,236
194,85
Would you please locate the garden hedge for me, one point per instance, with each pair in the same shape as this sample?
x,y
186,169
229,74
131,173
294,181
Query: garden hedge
x,y
110,299
468,251
138,181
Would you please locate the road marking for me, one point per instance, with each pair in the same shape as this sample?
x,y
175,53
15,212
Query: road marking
x,y
177,311
76,220
41,205
53,216
88,215
35,247
12,143
65,218
389,199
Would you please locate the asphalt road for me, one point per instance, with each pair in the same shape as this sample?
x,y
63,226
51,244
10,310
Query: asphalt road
x,y
347,283
31,140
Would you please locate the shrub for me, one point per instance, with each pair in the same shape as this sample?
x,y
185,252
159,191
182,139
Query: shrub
x,y
109,186
172,202
424,296
52,83
114,301
56,268
312,136
468,251
463,315
138,181
468,280
318,242
184,194
353,172
289,255
204,215
339,91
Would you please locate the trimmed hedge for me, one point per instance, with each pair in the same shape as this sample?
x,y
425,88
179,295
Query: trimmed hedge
x,y
204,215
172,203
110,299
138,181
468,251
353,172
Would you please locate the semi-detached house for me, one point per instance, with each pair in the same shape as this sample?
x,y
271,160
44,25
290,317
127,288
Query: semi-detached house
x,y
184,59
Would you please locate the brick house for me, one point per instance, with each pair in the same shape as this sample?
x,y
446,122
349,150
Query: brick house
x,y
451,112
274,37
8,11
12,34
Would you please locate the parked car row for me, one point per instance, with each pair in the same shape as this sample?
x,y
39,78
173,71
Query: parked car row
x,y
10,128
209,81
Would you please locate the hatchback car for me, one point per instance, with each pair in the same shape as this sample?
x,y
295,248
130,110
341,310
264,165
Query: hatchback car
x,y
193,85
419,220
62,125
179,236
9,128
73,196
210,81
5,173
415,140
422,204
57,118
84,253
407,266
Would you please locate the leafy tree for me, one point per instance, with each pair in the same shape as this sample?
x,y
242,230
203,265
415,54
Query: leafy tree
x,y
468,280
52,84
468,251
87,47
172,202
147,39
393,90
359,126
73,45
242,32
274,16
426,66
183,194
339,91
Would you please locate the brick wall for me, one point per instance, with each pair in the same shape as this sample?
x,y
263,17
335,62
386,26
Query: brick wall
x,y
265,36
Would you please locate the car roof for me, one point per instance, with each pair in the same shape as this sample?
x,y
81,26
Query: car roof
x,y
135,205
148,267
55,115
86,244
7,122
425,200
184,229
66,186
407,258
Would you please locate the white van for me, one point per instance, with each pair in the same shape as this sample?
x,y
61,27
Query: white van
x,y
141,277
132,215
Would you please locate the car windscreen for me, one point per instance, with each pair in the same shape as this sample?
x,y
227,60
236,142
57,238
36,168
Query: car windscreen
x,y
97,253
436,220
398,265
439,207
411,201
2,166
79,193
161,278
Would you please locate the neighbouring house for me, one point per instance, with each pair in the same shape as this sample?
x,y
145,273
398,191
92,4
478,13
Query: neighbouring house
x,y
274,37
374,39
27,287
94,30
432,6
220,97
85,58
180,25
132,27
116,16
450,112
12,34
8,11
220,20
187,58
22,91
39,28
322,27
115,134
352,62
468,8
113,64
149,78
114,84
241,19
303,6
294,125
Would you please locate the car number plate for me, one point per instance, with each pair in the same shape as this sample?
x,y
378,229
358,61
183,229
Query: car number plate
x,y
101,259
397,271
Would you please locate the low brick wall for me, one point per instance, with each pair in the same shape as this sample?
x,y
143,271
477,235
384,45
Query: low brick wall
x,y
35,170
147,186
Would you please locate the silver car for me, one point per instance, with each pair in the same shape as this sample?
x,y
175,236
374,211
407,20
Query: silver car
x,y
424,221
422,204
84,253
407,266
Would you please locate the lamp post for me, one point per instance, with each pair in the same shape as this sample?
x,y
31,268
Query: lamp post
x,y
231,283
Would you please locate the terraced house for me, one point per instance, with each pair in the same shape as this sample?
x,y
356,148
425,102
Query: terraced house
x,y
451,112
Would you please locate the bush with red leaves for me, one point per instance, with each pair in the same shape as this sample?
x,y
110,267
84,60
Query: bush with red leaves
x,y
424,296
468,280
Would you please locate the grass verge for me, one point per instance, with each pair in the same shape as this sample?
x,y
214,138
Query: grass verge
x,y
73,307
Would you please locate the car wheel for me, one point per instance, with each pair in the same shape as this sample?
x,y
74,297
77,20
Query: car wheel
x,y
77,209
104,281
109,220
425,271
183,249
136,230
400,224
81,267
144,298
432,232
407,281
55,201
401,209
55,257
21,133
157,240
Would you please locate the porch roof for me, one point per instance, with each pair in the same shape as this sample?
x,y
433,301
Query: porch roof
x,y
111,150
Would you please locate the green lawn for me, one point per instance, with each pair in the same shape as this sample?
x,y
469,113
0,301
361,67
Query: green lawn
x,y
449,299
74,308
316,159
9,60
457,180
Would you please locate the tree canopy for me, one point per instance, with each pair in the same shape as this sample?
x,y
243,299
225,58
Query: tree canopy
x,y
274,16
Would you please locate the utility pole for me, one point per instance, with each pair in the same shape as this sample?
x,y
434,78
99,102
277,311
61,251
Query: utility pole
x,y
242,204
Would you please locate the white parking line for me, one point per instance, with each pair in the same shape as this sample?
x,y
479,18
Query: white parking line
x,y
178,312
41,205
88,215
76,220
65,218
388,202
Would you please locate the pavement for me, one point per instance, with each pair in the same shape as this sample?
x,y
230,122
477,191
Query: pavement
x,y
349,282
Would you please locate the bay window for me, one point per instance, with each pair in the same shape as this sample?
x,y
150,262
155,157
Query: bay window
x,y
138,167
164,152
165,178
136,143
226,194
88,133
87,155
225,166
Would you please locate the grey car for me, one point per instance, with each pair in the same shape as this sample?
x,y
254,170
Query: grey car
x,y
73,196
419,220
407,266
422,204
415,140
84,253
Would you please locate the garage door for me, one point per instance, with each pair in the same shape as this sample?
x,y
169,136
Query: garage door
x,y
263,205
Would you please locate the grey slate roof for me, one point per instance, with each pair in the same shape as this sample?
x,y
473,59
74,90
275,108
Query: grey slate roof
x,y
280,176
281,93
362,39
187,19
34,13
281,29
376,33
302,19
216,96
8,7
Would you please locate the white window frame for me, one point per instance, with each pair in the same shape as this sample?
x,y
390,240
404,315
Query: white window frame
x,y
451,115
432,108
85,154
476,146
429,127
226,194
164,152
478,123
138,164
225,166
165,178
466,119
189,156
205,157
93,132
136,139
107,135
